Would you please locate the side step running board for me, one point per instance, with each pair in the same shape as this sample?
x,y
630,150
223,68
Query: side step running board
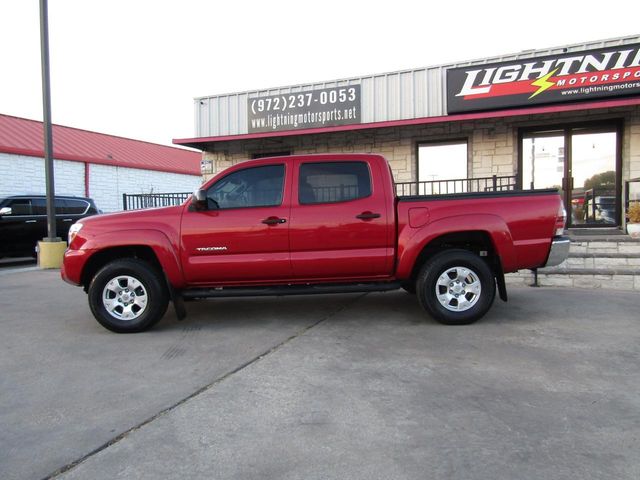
x,y
289,290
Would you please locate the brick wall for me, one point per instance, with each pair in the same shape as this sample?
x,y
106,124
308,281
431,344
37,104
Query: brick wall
x,y
25,175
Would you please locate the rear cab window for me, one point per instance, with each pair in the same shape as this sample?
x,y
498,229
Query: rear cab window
x,y
333,182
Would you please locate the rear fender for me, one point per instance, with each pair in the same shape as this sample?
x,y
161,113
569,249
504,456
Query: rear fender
x,y
411,242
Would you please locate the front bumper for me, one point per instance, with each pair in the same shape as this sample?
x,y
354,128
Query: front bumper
x,y
72,265
559,251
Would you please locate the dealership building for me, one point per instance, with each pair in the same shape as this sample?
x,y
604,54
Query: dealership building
x,y
566,117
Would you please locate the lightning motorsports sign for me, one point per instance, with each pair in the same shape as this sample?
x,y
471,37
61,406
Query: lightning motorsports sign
x,y
585,75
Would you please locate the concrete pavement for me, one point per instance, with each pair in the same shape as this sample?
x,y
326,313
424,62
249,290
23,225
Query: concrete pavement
x,y
351,386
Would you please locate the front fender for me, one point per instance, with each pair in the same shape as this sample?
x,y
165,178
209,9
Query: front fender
x,y
412,241
165,251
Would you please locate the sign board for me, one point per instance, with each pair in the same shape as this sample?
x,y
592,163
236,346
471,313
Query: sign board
x,y
568,77
307,109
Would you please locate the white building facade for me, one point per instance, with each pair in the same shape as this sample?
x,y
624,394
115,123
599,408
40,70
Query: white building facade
x,y
94,169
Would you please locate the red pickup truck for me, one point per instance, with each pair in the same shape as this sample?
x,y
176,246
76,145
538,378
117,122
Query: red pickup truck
x,y
312,224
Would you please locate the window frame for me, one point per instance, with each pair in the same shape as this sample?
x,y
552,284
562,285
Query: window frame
x,y
367,165
282,191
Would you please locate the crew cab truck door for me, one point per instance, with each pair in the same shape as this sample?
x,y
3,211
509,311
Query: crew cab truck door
x,y
339,220
244,234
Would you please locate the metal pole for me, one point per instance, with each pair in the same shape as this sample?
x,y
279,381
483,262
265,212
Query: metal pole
x,y
48,136
533,163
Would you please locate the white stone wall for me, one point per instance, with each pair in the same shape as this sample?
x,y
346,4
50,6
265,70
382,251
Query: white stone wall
x,y
21,175
108,183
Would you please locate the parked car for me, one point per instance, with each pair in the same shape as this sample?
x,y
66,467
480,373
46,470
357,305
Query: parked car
x,y
23,221
313,224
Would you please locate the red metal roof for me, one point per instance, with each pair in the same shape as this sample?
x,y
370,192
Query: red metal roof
x,y
202,142
22,136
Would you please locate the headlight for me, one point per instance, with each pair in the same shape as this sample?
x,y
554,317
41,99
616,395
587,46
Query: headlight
x,y
73,231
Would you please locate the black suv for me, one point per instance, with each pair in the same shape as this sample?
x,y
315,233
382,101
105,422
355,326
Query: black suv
x,y
23,221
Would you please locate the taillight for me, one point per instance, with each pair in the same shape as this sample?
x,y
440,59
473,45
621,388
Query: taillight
x,y
561,221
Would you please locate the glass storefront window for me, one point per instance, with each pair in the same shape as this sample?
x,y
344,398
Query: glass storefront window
x,y
440,164
582,164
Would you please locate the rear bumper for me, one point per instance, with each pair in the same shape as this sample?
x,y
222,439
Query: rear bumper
x,y
558,252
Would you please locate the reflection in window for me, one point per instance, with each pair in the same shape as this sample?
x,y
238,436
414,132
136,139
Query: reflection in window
x,y
593,197
586,177
543,161
252,187
333,182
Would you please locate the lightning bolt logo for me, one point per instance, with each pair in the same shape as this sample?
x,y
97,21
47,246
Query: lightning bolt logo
x,y
543,83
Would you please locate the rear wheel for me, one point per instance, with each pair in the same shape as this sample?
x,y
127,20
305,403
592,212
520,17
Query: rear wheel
x,y
456,287
128,296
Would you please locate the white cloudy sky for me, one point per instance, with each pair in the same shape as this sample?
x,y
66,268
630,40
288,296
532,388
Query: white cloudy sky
x,y
132,67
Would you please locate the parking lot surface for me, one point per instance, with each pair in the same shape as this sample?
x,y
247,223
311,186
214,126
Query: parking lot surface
x,y
342,386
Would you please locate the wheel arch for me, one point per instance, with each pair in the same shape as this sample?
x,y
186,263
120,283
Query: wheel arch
x,y
107,255
470,232
476,241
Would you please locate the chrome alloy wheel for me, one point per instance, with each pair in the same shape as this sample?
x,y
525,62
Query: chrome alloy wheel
x,y
458,289
124,298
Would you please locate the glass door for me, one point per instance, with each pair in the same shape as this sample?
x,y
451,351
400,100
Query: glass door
x,y
543,161
583,164
593,179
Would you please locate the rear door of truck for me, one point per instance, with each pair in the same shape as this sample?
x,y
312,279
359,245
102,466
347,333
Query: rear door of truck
x,y
339,220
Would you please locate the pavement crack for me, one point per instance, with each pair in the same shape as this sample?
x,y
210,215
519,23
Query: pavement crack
x,y
207,387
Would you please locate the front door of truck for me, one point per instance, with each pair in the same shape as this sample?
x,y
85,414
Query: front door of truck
x,y
244,235
339,221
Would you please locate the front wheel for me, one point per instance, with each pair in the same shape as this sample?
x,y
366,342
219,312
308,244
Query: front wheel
x,y
456,287
128,296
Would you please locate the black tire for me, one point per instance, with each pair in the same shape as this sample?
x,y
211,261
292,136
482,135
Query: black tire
x,y
459,301
127,278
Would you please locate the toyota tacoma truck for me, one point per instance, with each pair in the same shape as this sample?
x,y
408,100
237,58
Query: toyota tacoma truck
x,y
305,224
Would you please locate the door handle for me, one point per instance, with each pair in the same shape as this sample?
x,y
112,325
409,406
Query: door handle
x,y
368,215
30,221
274,220
68,220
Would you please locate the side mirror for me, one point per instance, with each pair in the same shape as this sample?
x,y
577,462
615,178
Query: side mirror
x,y
200,202
5,211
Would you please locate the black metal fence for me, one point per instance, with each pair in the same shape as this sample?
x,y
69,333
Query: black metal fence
x,y
459,185
139,201
324,194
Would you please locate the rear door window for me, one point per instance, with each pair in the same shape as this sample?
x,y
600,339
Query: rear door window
x,y
331,182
